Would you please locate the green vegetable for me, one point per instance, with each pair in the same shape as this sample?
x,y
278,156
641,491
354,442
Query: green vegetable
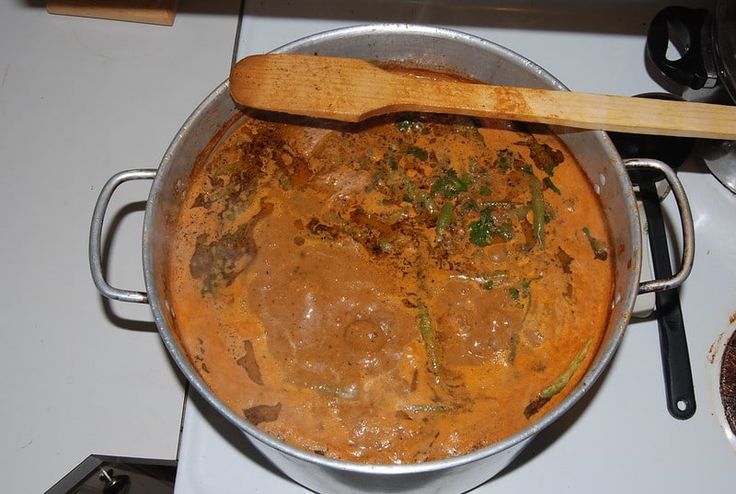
x,y
545,157
418,152
384,244
562,381
348,392
501,204
516,293
409,125
469,131
430,408
547,393
550,185
522,291
445,218
505,159
537,206
486,228
403,125
450,185
429,336
410,191
468,205
599,250
513,344
422,201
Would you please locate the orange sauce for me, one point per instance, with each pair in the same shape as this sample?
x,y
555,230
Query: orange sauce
x,y
395,292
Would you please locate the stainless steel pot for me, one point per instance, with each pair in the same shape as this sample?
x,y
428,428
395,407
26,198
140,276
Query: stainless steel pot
x,y
426,47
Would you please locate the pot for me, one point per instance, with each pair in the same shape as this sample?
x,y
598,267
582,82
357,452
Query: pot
x,y
708,40
431,48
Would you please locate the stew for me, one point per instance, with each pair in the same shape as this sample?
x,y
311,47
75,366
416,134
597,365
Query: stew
x,y
398,291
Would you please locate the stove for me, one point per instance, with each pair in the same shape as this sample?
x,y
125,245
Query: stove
x,y
620,436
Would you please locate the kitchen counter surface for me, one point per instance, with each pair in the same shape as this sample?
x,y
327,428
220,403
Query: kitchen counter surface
x,y
81,99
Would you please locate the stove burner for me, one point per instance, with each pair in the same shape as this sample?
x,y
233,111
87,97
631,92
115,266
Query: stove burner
x,y
727,382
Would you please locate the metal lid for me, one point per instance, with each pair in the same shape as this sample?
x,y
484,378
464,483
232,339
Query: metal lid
x,y
725,44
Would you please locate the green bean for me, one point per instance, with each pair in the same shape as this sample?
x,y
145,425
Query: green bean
x,y
551,185
599,250
445,218
537,205
562,381
430,408
348,392
547,393
429,336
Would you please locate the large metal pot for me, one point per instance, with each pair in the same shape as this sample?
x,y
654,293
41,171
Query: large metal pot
x,y
426,47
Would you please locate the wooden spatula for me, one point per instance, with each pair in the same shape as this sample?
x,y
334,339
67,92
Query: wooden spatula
x,y
352,90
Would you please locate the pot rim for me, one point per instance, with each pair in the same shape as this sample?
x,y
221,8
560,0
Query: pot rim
x,y
586,382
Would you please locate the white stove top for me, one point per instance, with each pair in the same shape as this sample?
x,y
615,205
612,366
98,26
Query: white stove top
x,y
620,437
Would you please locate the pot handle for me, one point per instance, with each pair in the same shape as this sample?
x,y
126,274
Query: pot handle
x,y
686,222
95,236
691,29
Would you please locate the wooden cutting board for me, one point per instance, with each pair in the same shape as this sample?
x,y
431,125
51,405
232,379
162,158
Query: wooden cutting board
x,y
161,12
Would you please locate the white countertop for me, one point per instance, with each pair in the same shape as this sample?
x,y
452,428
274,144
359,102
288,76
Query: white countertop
x,y
81,99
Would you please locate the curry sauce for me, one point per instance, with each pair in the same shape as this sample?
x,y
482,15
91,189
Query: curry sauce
x,y
398,291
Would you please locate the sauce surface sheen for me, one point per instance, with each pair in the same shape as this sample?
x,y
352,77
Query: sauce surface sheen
x,y
395,292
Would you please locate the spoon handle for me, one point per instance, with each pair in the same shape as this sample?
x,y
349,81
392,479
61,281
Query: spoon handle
x,y
678,378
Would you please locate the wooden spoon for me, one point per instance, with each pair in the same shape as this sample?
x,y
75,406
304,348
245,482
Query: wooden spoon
x,y
352,90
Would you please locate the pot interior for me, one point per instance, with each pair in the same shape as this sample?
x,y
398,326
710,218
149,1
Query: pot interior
x,y
413,46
